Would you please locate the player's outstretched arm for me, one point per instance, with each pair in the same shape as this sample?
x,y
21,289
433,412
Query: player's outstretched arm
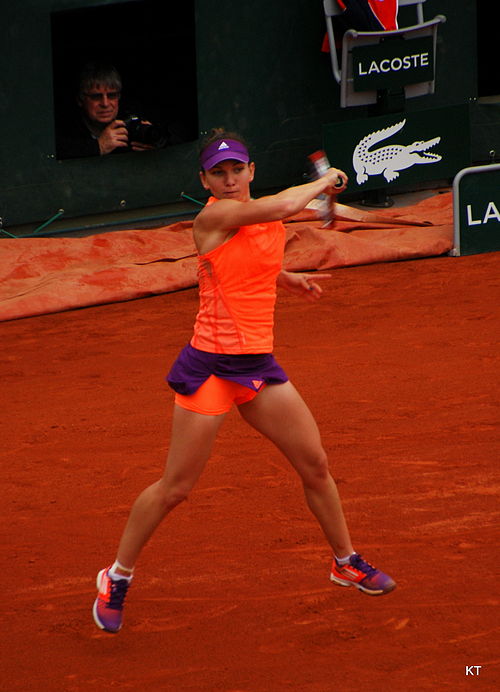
x,y
228,213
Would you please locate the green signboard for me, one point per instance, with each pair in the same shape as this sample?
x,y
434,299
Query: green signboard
x,y
393,63
400,148
476,210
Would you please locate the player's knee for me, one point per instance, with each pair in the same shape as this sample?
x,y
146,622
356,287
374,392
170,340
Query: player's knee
x,y
174,495
317,471
178,495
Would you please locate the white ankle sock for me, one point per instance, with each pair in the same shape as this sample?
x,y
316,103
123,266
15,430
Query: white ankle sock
x,y
344,560
115,576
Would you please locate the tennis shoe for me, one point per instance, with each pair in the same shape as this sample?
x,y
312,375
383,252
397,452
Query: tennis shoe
x,y
108,606
359,573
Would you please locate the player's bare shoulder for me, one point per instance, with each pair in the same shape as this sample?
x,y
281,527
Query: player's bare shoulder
x,y
211,227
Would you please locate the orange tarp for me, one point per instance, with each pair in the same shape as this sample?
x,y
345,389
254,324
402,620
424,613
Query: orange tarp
x,y
45,275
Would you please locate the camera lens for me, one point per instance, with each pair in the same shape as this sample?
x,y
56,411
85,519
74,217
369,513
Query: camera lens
x,y
143,132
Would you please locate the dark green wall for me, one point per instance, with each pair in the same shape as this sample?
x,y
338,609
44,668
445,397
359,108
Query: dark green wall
x,y
260,71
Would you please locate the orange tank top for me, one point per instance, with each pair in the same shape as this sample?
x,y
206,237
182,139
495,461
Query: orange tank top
x,y
237,285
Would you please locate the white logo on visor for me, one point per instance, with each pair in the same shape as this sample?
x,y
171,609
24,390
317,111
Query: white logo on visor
x,y
223,145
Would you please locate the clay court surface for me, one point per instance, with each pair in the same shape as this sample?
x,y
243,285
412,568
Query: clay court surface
x,y
400,364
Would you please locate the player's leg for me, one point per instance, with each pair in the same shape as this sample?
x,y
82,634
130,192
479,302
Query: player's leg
x,y
192,437
280,413
191,442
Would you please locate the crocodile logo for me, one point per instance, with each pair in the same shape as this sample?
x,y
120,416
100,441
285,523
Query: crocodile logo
x,y
388,160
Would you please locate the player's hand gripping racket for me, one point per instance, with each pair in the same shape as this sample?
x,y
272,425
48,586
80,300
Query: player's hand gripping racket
x,y
320,164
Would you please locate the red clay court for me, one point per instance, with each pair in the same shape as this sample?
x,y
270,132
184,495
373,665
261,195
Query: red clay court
x,y
400,364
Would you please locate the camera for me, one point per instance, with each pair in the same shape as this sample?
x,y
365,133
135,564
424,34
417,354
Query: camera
x,y
143,133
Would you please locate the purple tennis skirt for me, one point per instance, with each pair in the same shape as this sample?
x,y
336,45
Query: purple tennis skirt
x,y
193,367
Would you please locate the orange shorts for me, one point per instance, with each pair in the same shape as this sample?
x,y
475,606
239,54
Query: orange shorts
x,y
216,396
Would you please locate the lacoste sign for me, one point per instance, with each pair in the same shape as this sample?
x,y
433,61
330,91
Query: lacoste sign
x,y
476,210
393,63
396,149
388,160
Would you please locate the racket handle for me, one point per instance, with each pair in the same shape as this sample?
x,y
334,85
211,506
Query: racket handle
x,y
320,162
321,165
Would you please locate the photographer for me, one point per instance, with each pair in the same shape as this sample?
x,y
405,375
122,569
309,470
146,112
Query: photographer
x,y
99,129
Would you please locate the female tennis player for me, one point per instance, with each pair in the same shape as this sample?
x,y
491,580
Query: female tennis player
x,y
240,243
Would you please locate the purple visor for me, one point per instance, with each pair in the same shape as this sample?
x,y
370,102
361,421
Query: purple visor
x,y
222,150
